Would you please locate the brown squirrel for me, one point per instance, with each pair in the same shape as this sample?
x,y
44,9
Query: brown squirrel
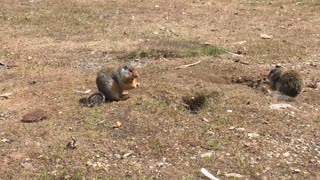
x,y
112,83
287,82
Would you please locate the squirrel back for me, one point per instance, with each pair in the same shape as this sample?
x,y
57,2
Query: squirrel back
x,y
287,82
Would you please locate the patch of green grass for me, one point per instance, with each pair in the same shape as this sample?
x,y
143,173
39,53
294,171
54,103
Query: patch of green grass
x,y
93,117
187,178
65,173
44,175
214,144
317,120
146,178
242,161
170,48
75,174
157,146
222,120
57,152
94,124
5,53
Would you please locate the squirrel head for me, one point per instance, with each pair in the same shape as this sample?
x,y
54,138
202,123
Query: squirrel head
x,y
129,72
275,73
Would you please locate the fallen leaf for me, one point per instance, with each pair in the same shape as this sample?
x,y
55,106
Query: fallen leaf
x,y
117,125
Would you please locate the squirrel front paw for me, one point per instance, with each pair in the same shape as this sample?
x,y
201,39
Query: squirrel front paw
x,y
135,84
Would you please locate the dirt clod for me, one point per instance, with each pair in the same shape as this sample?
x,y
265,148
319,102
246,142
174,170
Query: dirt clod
x,y
34,116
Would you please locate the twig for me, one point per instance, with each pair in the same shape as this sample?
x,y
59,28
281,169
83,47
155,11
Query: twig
x,y
244,62
7,66
188,65
234,54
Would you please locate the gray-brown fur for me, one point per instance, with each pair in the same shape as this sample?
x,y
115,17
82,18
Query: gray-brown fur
x,y
287,82
95,99
112,82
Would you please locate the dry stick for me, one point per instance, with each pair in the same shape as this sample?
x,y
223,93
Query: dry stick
x,y
188,65
234,54
7,66
208,174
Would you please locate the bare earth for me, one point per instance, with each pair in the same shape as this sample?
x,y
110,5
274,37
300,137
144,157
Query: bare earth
x,y
58,46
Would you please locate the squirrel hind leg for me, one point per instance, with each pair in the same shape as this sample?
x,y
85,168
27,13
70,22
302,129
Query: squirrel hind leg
x,y
95,99
124,97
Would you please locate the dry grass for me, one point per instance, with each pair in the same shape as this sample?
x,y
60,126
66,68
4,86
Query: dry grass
x,y
59,45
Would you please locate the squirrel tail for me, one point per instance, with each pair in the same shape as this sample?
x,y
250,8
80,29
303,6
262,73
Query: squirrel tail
x,y
93,100
281,97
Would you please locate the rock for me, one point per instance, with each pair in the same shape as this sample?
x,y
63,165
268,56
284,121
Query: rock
x,y
295,170
89,163
286,154
4,140
5,95
26,165
118,156
5,115
206,155
34,116
280,106
265,36
240,129
229,111
160,164
253,135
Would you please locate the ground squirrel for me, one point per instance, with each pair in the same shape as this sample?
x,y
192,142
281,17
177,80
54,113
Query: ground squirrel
x,y
287,82
111,84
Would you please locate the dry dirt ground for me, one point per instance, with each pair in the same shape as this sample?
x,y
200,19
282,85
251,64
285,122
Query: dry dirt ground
x,y
55,48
